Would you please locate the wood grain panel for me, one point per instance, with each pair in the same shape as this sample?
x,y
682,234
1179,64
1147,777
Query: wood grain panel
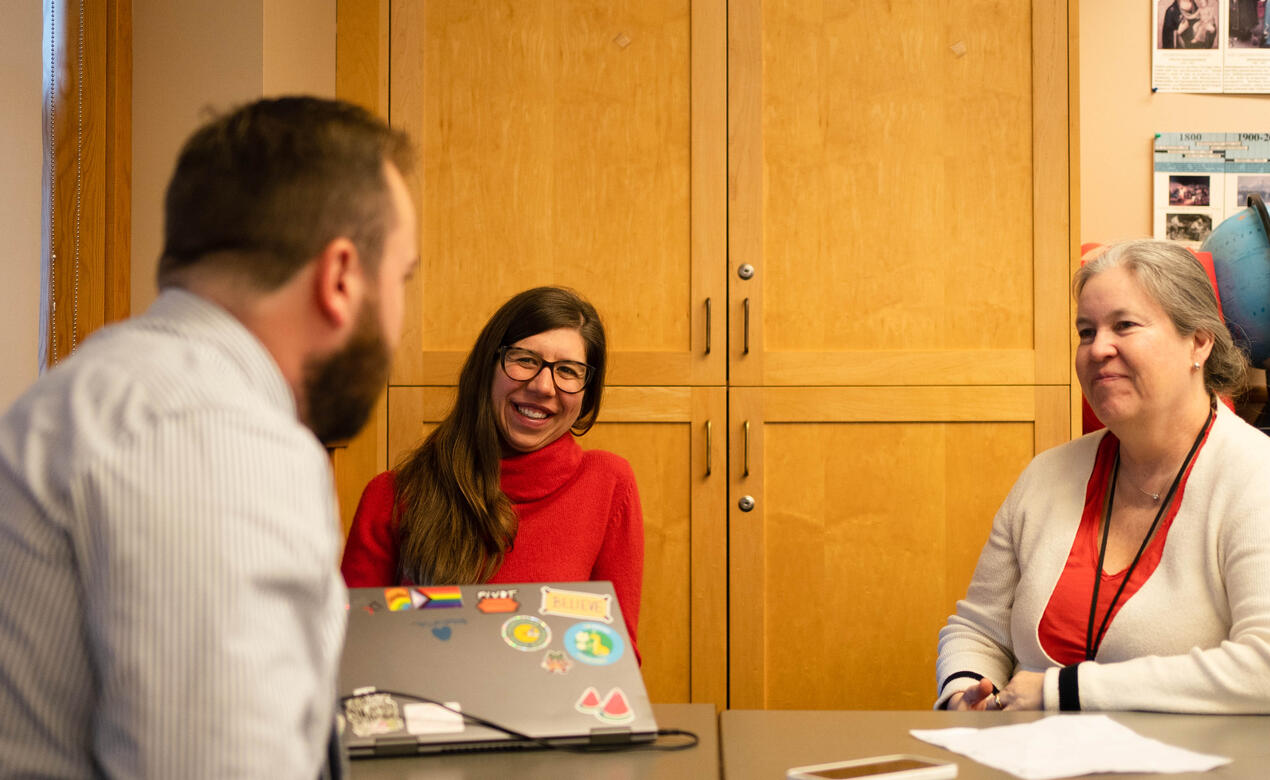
x,y
117,246
898,404
361,77
1054,244
91,103
869,533
899,367
924,187
886,171
557,142
361,53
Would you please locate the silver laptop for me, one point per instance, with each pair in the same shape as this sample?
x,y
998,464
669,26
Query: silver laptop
x,y
550,661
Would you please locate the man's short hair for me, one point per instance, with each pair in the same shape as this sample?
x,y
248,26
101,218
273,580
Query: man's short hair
x,y
262,190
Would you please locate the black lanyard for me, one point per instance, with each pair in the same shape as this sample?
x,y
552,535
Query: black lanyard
x,y
1094,641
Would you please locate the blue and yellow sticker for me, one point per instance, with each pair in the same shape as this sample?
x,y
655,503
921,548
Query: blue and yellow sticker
x,y
594,643
526,633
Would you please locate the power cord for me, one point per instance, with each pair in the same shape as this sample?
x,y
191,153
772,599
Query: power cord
x,y
690,738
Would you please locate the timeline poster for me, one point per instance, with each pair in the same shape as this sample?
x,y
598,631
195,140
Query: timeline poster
x,y
1201,179
1210,46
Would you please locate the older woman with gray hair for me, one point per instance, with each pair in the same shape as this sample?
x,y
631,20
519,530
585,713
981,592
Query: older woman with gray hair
x,y
1130,569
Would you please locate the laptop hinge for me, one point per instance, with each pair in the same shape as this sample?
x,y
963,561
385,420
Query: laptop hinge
x,y
610,735
396,746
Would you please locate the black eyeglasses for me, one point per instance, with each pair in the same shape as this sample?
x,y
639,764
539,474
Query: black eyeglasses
x,y
522,365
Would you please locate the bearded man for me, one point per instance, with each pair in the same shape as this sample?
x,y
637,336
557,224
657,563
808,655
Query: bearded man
x,y
169,602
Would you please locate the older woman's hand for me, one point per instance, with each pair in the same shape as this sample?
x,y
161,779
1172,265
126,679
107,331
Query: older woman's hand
x,y
978,697
1025,692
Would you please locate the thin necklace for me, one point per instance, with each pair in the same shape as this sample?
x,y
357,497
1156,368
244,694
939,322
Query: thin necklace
x,y
1094,640
1147,493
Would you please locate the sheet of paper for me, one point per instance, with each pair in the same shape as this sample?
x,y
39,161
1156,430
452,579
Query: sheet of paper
x,y
427,718
1067,746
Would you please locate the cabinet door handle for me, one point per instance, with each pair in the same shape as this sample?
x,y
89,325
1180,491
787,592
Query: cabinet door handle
x,y
709,460
745,349
707,340
745,472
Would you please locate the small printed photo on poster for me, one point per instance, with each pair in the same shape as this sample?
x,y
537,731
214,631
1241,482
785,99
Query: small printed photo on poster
x,y
1188,24
1250,184
1189,191
1247,24
1192,228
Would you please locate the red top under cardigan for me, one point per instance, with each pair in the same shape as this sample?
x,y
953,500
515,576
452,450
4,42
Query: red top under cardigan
x,y
579,519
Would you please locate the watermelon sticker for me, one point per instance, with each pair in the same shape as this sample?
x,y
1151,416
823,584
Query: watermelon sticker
x,y
593,643
615,709
611,709
589,701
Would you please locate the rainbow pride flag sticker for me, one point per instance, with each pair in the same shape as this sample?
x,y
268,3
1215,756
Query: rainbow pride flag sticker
x,y
439,597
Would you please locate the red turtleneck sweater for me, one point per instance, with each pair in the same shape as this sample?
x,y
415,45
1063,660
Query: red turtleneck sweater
x,y
578,516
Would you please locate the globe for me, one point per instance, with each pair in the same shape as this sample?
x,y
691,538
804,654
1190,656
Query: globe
x,y
1241,260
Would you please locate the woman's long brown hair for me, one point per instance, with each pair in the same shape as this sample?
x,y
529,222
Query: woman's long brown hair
x,y
454,523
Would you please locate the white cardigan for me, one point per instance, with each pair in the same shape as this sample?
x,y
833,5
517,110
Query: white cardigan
x,y
1194,638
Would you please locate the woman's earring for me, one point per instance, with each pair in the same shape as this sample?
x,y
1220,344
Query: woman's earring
x,y
1195,366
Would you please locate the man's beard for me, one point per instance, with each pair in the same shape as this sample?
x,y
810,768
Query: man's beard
x,y
341,389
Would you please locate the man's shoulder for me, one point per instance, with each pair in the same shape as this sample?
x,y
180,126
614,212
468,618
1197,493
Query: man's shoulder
x,y
129,382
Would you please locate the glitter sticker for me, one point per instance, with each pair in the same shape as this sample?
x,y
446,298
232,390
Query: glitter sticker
x,y
526,633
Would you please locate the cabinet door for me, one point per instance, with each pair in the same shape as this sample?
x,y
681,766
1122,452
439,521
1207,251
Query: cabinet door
x,y
572,143
674,440
870,508
899,179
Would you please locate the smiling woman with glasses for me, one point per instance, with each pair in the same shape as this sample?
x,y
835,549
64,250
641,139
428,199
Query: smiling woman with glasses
x,y
501,491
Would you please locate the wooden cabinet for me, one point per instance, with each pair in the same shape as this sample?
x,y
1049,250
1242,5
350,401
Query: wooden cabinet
x,y
867,510
897,176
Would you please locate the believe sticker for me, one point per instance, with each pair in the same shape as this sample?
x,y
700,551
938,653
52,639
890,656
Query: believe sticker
x,y
526,633
593,643
576,604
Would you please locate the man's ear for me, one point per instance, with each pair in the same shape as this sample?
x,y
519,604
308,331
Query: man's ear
x,y
340,282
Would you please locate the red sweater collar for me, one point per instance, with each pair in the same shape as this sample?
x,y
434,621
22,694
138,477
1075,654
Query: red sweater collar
x,y
530,476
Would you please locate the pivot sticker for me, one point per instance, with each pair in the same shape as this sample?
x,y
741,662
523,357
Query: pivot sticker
x,y
593,643
438,598
494,601
556,662
373,714
398,599
576,604
613,708
526,632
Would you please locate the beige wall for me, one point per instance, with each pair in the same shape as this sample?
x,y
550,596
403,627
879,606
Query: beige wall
x,y
197,55
21,160
1119,117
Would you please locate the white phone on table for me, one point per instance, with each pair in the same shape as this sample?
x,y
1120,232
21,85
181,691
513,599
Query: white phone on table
x,y
894,767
